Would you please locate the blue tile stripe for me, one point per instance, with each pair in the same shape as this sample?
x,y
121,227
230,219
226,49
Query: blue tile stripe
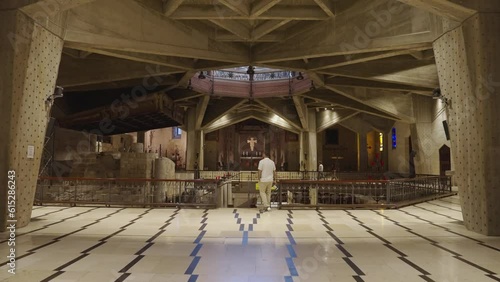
x,y
198,239
193,265
290,238
245,238
291,267
291,250
197,248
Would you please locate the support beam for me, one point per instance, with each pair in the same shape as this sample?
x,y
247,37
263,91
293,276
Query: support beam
x,y
101,69
200,110
330,97
328,118
399,70
392,103
372,84
261,6
446,8
343,60
233,118
169,6
327,6
236,28
352,32
239,7
211,12
141,34
217,110
229,37
267,27
283,108
301,109
180,63
39,9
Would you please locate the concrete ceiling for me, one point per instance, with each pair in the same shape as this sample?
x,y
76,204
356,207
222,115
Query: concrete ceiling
x,y
367,58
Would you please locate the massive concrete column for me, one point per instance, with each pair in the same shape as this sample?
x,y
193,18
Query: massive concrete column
x,y
312,145
362,152
468,64
427,134
193,153
29,61
303,150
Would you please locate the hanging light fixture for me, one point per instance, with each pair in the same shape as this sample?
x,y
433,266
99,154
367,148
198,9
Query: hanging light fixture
x,y
312,86
189,87
300,76
201,75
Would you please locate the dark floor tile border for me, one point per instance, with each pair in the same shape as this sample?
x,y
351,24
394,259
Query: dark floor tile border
x,y
101,241
415,266
353,266
123,277
52,212
197,248
290,247
131,264
493,277
435,243
358,278
52,276
449,202
481,243
402,256
55,240
444,207
347,256
53,223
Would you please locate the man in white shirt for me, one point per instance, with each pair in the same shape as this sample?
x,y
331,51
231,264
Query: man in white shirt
x,y
320,171
267,175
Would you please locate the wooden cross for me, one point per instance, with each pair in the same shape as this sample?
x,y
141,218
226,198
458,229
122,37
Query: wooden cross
x,y
252,141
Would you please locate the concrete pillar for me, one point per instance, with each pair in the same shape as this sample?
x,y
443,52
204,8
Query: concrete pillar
x,y
141,137
303,150
193,141
312,145
29,61
468,64
362,152
427,134
164,169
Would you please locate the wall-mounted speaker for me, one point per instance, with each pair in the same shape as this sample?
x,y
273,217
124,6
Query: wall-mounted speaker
x,y
446,129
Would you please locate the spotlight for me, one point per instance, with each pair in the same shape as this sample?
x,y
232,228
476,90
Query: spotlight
x,y
58,93
300,76
201,75
312,86
250,70
436,93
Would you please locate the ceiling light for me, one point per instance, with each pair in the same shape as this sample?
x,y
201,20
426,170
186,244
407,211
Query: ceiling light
x,y
300,76
312,86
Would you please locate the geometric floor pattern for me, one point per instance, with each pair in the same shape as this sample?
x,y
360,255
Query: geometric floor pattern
x,y
425,242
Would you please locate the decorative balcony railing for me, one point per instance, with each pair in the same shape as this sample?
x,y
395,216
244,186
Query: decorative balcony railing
x,y
260,76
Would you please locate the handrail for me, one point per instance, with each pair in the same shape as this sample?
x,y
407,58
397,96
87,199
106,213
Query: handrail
x,y
127,179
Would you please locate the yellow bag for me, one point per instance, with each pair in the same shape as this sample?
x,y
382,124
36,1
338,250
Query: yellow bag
x,y
273,188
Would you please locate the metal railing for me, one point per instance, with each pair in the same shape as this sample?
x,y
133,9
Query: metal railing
x,y
127,192
361,193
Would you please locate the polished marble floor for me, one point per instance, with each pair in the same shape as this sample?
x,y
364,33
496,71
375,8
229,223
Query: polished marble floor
x,y
426,242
